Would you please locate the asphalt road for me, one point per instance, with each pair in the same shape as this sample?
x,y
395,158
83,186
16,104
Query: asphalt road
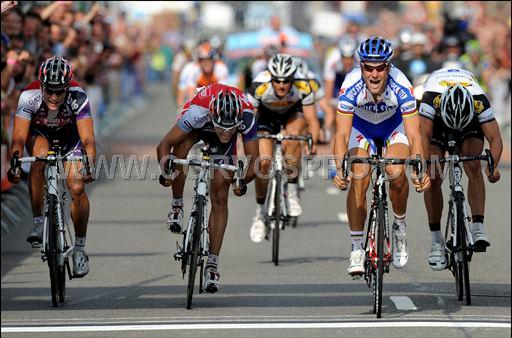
x,y
135,288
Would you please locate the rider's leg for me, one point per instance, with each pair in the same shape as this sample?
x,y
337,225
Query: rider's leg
x,y
38,146
79,215
476,190
219,193
258,230
293,151
398,194
356,211
175,215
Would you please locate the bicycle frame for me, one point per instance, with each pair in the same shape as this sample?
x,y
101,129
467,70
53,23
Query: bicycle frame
x,y
279,157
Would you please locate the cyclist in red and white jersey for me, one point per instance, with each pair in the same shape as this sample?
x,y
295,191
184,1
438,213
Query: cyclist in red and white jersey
x,y
216,115
54,107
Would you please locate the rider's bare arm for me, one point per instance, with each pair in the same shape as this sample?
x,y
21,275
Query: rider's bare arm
x,y
175,136
19,135
86,133
312,121
492,133
342,135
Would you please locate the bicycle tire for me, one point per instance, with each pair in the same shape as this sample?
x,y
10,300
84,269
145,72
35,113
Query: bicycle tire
x,y
51,250
379,273
464,283
277,218
194,250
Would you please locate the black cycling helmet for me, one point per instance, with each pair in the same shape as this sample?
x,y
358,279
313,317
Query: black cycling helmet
x,y
457,107
55,73
226,109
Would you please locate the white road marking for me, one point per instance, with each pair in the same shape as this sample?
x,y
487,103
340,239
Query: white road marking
x,y
246,326
342,217
332,191
403,303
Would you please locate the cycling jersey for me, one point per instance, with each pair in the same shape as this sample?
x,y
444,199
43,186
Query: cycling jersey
x,y
377,119
316,86
334,71
440,80
195,115
59,124
262,93
193,76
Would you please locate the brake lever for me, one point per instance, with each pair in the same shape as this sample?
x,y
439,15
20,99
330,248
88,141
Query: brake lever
x,y
15,161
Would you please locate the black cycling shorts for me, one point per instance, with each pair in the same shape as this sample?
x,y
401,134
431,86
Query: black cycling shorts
x,y
442,133
68,138
271,121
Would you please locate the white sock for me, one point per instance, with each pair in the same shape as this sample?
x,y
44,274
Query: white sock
x,y
437,236
79,243
293,188
477,227
400,220
177,202
357,240
213,260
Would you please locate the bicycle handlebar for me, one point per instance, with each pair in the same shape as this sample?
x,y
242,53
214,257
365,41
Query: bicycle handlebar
x,y
203,164
456,159
16,161
280,137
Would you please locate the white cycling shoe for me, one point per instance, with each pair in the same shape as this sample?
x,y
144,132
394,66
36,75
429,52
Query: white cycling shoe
x,y
258,230
211,279
294,208
437,257
400,252
356,268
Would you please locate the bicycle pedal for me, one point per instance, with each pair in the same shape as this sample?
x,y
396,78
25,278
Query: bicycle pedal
x,y
36,245
178,256
44,258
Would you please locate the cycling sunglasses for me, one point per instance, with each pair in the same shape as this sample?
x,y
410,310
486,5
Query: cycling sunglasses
x,y
379,68
56,92
281,80
228,130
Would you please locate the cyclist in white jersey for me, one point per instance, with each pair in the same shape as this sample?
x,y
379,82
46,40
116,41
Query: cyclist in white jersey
x,y
281,97
453,103
377,106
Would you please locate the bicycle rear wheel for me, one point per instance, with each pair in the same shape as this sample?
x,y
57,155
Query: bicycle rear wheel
x,y
277,218
194,249
379,273
52,250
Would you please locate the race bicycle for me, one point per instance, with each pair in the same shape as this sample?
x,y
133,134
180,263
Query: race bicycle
x,y
377,246
57,237
459,244
195,244
276,210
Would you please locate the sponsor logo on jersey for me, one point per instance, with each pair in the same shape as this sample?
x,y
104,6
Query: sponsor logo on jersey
x,y
344,107
314,85
351,94
262,88
409,107
380,107
342,91
447,83
302,86
479,106
437,101
200,119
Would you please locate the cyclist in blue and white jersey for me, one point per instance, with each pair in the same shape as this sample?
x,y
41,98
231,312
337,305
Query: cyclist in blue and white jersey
x,y
377,106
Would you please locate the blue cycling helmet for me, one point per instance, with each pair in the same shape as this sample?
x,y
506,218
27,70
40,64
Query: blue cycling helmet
x,y
376,49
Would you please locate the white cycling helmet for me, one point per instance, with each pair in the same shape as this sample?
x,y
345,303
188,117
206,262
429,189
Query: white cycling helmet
x,y
347,47
282,66
302,65
457,107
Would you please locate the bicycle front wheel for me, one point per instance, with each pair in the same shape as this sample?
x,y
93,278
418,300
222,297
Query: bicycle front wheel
x,y
463,265
379,272
194,248
277,218
52,250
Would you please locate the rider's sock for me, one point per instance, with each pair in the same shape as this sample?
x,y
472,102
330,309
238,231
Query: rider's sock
x,y
477,227
437,236
79,243
177,202
38,219
213,260
400,221
259,209
357,240
293,188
